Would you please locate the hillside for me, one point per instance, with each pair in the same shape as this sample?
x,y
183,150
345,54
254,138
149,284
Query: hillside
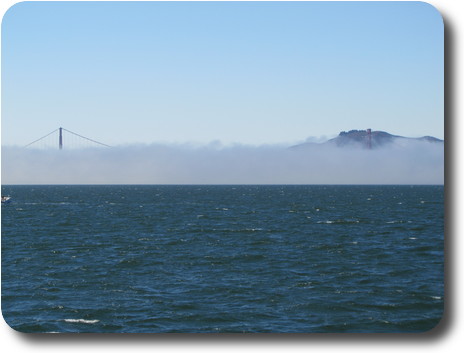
x,y
362,139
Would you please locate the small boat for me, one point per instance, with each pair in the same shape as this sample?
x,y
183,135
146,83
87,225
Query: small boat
x,y
6,199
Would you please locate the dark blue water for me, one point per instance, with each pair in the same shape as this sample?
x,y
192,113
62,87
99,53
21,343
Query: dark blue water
x,y
223,258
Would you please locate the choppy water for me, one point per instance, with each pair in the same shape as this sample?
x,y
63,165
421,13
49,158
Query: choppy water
x,y
223,258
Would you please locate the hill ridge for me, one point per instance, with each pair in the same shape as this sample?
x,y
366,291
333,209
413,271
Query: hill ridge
x,y
367,139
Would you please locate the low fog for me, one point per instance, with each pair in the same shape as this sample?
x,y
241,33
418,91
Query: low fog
x,y
411,162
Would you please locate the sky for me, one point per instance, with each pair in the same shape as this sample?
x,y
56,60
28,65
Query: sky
x,y
247,73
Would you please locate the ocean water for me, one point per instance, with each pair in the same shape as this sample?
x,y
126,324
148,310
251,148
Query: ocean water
x,y
223,258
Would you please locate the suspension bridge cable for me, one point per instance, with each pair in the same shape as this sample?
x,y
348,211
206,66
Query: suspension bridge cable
x,y
85,138
41,138
73,133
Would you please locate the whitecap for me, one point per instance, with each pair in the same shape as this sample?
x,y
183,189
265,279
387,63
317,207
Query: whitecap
x,y
83,321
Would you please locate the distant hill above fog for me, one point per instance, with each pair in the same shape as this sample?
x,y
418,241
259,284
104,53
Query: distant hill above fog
x,y
366,139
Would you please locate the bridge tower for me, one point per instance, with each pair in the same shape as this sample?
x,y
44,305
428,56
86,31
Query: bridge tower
x,y
60,141
61,131
369,139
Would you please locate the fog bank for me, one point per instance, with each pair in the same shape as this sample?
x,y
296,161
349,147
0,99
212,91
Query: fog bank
x,y
414,162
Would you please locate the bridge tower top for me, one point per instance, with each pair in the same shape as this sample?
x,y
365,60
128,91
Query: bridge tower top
x,y
71,139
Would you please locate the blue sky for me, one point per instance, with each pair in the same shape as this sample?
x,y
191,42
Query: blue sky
x,y
240,72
